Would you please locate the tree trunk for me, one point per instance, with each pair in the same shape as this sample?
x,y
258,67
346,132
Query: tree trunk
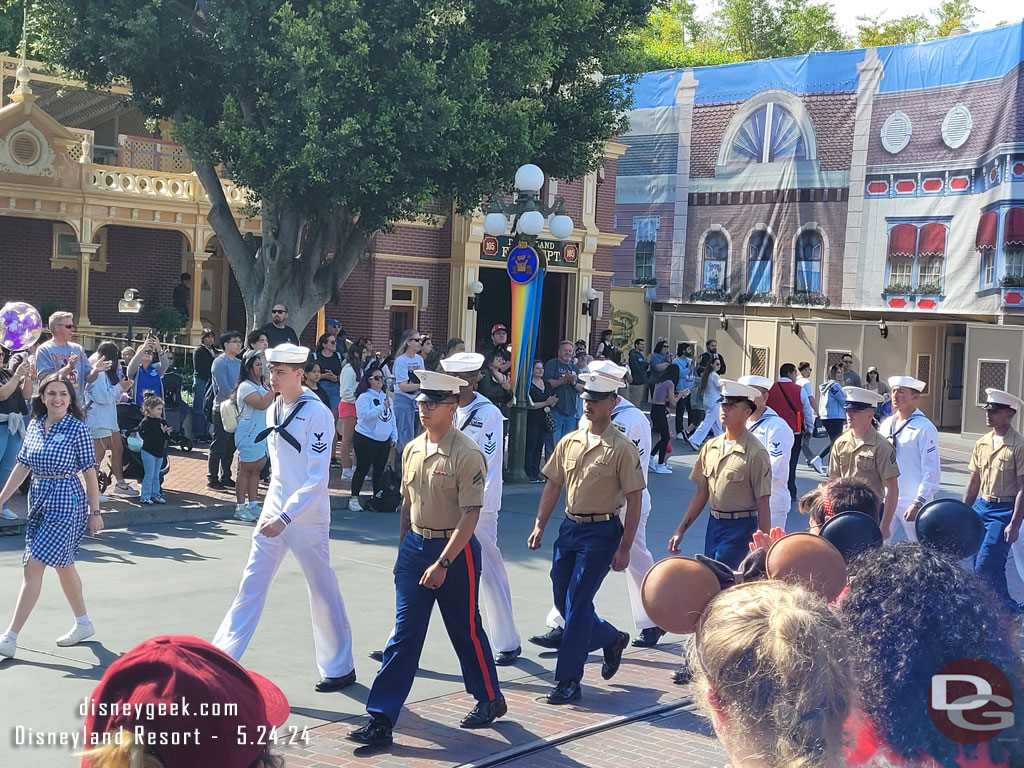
x,y
300,263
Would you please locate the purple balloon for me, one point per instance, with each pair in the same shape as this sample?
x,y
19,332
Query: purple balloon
x,y
20,324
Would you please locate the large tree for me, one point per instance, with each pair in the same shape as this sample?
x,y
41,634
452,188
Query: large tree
x,y
767,29
673,38
345,116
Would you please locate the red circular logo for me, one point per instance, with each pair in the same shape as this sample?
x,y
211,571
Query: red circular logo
x,y
971,701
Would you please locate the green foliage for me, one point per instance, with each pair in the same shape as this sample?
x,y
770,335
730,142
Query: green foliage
x,y
953,14
10,26
1007,281
807,299
873,32
898,289
928,289
716,295
756,297
166,321
673,38
766,29
623,325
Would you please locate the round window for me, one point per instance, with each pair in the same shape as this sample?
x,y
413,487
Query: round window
x,y
24,148
896,132
957,126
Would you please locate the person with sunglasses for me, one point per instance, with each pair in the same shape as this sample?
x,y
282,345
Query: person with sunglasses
x,y
276,331
375,432
407,360
61,355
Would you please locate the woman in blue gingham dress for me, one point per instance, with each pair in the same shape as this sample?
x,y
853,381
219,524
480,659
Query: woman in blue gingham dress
x,y
58,448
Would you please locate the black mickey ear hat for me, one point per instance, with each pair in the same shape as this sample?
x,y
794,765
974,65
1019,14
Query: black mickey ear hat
x,y
950,526
852,532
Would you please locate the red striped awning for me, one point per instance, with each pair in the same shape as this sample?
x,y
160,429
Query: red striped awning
x,y
1013,227
987,227
903,240
933,240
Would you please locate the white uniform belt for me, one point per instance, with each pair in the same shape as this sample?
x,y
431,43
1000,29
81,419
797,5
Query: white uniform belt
x,y
734,515
433,533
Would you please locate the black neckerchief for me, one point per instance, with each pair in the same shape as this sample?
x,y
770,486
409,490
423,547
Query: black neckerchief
x,y
894,435
280,429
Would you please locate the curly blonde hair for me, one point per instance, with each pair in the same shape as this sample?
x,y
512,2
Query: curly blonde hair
x,y
774,660
127,754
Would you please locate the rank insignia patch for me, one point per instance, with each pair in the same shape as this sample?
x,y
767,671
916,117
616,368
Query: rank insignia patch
x,y
319,445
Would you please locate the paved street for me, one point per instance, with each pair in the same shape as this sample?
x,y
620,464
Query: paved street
x,y
180,577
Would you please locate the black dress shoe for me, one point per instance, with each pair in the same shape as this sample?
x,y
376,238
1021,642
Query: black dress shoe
x,y
565,693
648,638
551,639
227,482
683,675
485,713
613,656
375,733
505,658
329,684
216,485
376,655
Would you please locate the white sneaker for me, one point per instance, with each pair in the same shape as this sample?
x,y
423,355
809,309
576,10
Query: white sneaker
x,y
680,436
244,515
652,464
8,646
346,474
8,514
255,508
354,505
816,463
126,491
661,469
77,634
104,499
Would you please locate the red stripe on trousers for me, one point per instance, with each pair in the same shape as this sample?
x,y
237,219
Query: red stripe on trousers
x,y
472,624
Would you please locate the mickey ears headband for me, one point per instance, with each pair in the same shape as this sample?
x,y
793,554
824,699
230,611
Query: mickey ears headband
x,y
676,591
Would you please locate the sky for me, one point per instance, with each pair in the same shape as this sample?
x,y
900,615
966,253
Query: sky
x,y
990,12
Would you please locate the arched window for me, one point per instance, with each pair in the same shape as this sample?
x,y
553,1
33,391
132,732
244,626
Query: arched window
x,y
759,263
809,250
769,135
716,253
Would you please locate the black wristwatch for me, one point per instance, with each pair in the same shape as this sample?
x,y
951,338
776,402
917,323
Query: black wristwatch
x,y
444,562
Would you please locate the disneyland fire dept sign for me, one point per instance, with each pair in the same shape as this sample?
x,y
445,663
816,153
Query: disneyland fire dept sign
x,y
557,254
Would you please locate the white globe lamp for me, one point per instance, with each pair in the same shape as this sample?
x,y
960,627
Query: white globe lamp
x,y
531,223
561,227
495,224
529,178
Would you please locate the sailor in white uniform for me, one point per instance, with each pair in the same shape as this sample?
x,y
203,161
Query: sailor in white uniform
x,y
916,442
481,421
772,431
631,422
296,516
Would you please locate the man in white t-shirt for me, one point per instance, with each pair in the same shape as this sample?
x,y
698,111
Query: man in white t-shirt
x,y
807,385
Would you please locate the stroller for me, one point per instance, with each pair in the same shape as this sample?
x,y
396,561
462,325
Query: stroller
x,y
129,415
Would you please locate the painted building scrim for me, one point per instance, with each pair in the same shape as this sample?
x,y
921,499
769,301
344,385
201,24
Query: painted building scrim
x,y
866,200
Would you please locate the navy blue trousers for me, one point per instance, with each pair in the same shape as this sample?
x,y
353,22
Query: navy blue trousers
x,y
990,563
458,599
726,540
583,554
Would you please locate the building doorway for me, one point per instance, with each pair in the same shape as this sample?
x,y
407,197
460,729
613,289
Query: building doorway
x,y
495,306
402,319
953,382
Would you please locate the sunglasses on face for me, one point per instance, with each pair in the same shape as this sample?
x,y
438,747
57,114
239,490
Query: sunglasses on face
x,y
376,378
69,327
278,311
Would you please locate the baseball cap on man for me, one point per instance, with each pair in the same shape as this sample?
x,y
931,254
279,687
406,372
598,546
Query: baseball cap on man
x,y
175,685
334,322
498,327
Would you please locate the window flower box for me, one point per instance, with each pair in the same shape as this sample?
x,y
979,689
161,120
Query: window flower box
x,y
757,299
711,296
1011,281
807,299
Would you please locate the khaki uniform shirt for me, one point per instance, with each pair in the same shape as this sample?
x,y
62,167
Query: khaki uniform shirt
x,y
596,480
736,479
440,482
999,468
872,462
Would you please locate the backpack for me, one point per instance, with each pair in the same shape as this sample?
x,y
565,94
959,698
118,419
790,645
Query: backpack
x,y
389,498
229,413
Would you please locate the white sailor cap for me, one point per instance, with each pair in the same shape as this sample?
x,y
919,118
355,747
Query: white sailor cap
x,y
907,382
735,392
760,382
998,398
437,387
288,353
463,362
608,368
860,399
598,386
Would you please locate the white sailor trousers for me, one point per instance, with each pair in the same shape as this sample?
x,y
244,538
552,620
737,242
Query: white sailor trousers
x,y
332,634
640,562
495,595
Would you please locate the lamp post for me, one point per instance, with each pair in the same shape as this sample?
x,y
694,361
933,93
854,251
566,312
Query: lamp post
x,y
130,305
526,218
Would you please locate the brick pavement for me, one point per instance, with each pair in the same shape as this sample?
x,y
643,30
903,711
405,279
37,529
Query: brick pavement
x,y
428,732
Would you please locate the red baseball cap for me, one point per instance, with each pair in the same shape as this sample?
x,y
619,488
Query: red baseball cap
x,y
196,704
498,327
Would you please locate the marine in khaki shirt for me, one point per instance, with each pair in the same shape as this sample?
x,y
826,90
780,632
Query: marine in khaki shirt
x,y
996,490
734,473
440,480
860,453
596,471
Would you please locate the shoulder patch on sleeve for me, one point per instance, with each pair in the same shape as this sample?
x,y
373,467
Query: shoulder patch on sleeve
x,y
478,478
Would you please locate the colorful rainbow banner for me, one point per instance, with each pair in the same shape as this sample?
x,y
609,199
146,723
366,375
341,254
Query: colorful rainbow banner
x,y
526,270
